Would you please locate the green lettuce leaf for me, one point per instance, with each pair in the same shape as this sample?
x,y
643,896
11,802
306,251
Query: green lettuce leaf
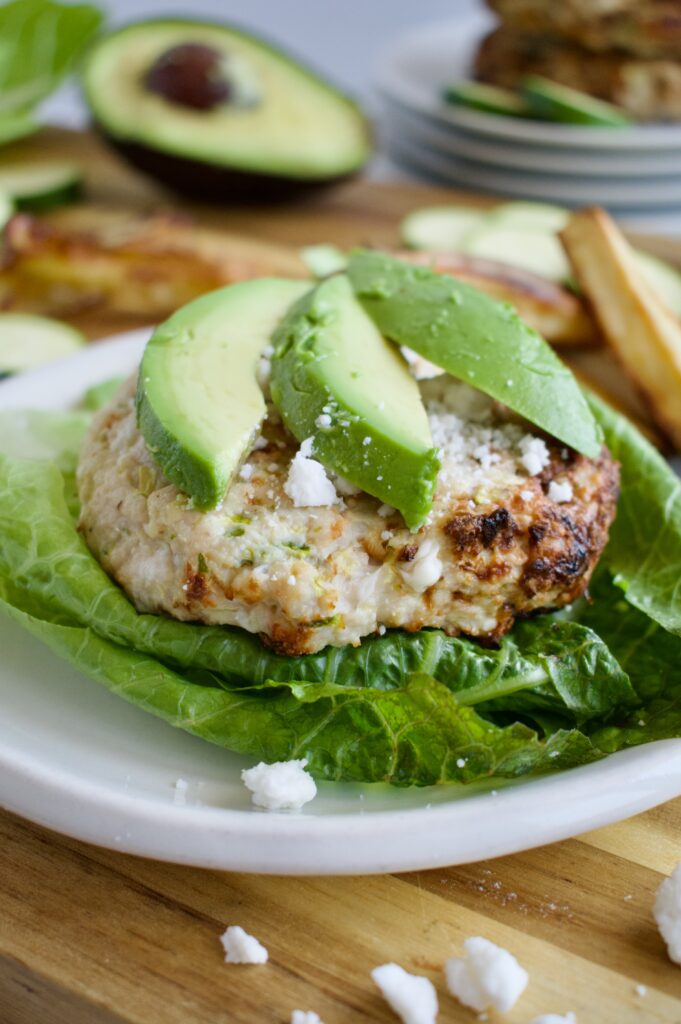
x,y
644,550
40,42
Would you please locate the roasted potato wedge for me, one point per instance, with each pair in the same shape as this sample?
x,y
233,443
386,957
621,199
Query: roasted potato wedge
x,y
554,311
644,335
123,263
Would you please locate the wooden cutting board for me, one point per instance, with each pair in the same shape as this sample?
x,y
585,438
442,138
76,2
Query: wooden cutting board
x,y
90,936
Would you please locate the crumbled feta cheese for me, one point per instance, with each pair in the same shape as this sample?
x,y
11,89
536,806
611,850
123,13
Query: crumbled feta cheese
x,y
560,492
667,911
385,510
263,373
268,351
366,440
281,786
461,762
527,495
260,442
180,794
242,948
381,630
307,484
323,421
345,488
386,535
485,457
534,455
305,1017
420,367
411,996
425,568
292,581
487,977
246,472
640,990
555,1018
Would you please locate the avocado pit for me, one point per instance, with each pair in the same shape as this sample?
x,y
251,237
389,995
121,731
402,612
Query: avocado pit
x,y
201,77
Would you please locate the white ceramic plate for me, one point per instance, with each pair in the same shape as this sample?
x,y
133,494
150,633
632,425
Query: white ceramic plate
x,y
80,760
452,169
415,68
535,159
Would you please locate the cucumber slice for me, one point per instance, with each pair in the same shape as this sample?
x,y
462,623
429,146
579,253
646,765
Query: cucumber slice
x,y
6,209
554,102
537,251
37,185
440,228
490,99
323,260
531,216
663,278
27,341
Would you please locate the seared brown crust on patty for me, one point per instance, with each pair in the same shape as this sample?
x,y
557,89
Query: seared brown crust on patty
x,y
499,543
648,28
649,90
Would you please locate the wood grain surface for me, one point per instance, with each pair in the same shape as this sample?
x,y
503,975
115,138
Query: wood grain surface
x,y
90,936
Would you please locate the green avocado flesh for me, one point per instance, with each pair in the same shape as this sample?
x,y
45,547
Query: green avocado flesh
x,y
199,405
478,340
556,102
295,126
337,380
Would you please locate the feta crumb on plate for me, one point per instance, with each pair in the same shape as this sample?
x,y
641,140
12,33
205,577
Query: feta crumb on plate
x,y
242,948
411,996
555,1018
180,791
560,493
486,977
667,912
307,484
305,1017
281,786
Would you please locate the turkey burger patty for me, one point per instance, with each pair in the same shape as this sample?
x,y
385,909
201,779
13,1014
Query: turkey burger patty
x,y
304,560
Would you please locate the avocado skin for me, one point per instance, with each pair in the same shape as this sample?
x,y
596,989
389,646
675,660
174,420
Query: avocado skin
x,y
203,179
200,180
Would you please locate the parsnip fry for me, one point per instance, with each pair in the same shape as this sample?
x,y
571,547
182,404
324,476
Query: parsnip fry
x,y
642,332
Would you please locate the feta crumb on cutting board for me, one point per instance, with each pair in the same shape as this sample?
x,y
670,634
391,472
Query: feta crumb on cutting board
x,y
555,1018
307,484
667,911
242,948
305,1017
281,786
486,977
411,996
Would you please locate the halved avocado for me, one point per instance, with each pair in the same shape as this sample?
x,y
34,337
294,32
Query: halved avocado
x,y
199,405
215,112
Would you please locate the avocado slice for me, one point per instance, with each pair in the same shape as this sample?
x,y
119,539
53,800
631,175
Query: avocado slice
x,y
199,406
554,102
216,112
478,340
490,99
337,380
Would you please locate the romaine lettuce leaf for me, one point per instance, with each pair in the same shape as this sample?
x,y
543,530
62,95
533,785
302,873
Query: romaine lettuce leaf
x,y
644,550
39,43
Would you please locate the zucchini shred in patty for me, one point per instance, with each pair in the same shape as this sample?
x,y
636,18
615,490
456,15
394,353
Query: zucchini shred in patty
x,y
517,526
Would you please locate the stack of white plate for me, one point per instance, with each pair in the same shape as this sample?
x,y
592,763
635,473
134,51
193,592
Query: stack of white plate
x,y
635,171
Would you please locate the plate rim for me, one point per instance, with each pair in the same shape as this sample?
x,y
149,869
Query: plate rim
x,y
400,839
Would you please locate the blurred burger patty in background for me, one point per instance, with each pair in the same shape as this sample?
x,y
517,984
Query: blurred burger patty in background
x,y
625,52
